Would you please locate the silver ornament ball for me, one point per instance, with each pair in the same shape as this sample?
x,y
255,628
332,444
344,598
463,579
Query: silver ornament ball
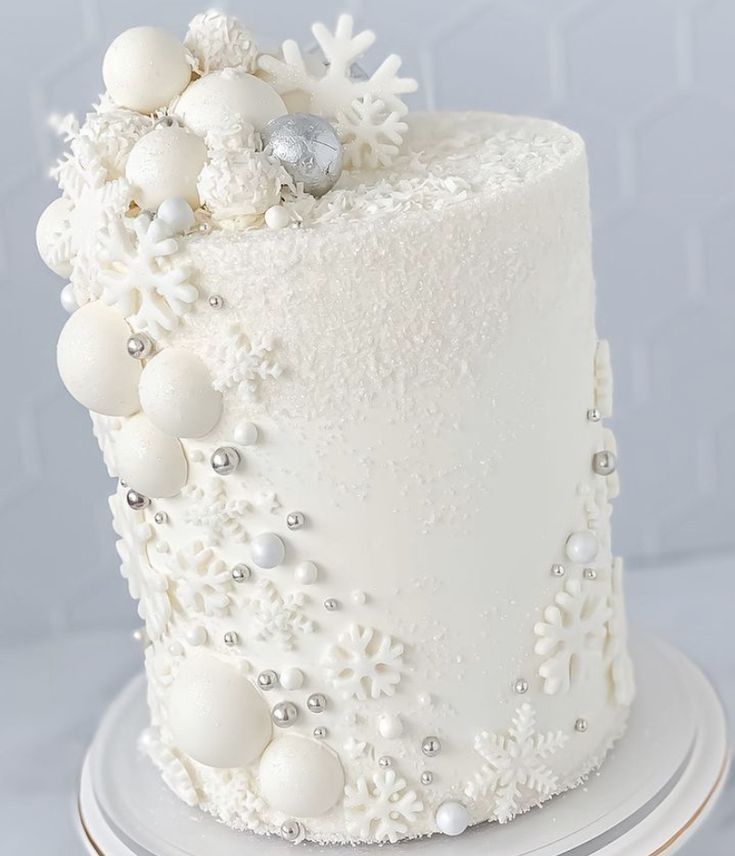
x,y
140,346
320,733
604,463
427,778
308,148
267,680
431,746
225,460
581,726
558,570
161,517
216,301
520,687
330,604
285,714
295,520
594,415
136,500
385,761
292,831
317,703
231,638
589,574
241,573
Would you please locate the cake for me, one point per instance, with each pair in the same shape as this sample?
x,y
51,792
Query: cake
x,y
342,363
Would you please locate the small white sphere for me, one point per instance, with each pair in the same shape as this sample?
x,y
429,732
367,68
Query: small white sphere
x,y
50,225
306,573
277,217
582,546
268,550
166,163
218,99
300,777
452,818
177,395
197,635
177,214
292,678
68,298
149,460
144,68
245,434
390,726
216,715
93,361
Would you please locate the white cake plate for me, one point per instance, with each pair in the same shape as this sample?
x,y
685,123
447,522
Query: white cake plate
x,y
653,792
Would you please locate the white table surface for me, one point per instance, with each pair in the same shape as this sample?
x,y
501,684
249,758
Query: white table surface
x,y
52,694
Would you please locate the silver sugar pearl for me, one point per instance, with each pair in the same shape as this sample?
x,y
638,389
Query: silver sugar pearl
x,y
231,638
330,604
295,520
558,570
594,415
204,228
427,778
520,687
316,703
136,500
285,714
385,761
292,831
216,301
320,733
431,746
267,680
604,463
140,346
581,725
160,517
225,460
241,573
589,574
308,148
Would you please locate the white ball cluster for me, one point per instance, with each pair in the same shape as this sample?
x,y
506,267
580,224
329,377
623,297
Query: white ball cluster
x,y
113,133
218,41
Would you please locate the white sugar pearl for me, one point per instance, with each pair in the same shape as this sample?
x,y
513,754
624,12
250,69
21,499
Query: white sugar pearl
x,y
177,214
390,726
51,224
306,573
277,217
216,99
149,460
268,550
292,678
582,546
452,818
144,68
68,299
166,163
245,434
196,635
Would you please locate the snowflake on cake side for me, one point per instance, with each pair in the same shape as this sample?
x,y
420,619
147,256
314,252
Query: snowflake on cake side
x,y
244,363
201,582
572,635
278,617
516,766
364,663
105,430
172,766
622,673
210,507
232,797
382,809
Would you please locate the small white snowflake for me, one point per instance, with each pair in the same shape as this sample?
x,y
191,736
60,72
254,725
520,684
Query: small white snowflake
x,y
372,134
515,765
355,748
364,663
572,636
622,673
141,278
201,582
383,809
210,508
278,617
234,798
243,363
173,767
106,429
218,41
603,379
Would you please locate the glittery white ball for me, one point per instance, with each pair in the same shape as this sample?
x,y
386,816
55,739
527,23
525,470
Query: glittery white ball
x,y
300,777
582,546
452,818
51,224
390,726
177,214
93,361
277,217
268,550
68,298
216,715
217,99
245,433
306,573
149,460
166,163
144,68
177,395
292,678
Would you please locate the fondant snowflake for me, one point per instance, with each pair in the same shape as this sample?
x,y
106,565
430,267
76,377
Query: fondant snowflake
x,y
383,809
364,663
603,379
372,134
146,584
140,276
210,508
278,617
216,41
236,802
105,430
201,582
622,674
572,635
354,748
172,766
244,363
515,765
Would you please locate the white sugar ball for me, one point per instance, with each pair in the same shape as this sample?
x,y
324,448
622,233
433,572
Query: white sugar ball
x,y
246,434
166,163
390,726
291,678
216,100
144,68
306,573
68,298
177,395
94,363
177,214
216,715
268,550
150,461
277,217
582,546
452,818
300,777
51,224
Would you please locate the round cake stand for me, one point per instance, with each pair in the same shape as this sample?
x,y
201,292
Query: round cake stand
x,y
653,792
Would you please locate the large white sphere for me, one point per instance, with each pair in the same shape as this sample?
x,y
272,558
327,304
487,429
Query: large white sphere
x,y
144,68
177,395
94,364
268,550
50,226
150,461
300,777
217,99
582,546
176,213
216,715
166,163
452,818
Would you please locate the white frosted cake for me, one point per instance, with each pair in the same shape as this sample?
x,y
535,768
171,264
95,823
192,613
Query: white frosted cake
x,y
343,363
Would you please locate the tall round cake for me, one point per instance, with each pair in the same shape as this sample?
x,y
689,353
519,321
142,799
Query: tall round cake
x,y
343,364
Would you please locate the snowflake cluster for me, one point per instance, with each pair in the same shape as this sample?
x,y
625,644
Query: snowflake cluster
x,y
278,617
216,41
201,583
211,508
382,809
364,663
243,363
236,802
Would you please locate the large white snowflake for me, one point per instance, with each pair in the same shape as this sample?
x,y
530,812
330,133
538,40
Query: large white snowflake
x,y
336,92
372,135
210,507
383,809
364,663
202,583
515,765
617,656
146,584
243,363
140,276
278,617
218,41
572,635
